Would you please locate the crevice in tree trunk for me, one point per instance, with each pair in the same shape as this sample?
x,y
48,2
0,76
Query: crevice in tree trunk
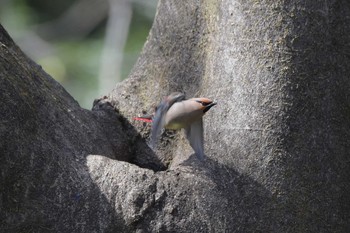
x,y
140,153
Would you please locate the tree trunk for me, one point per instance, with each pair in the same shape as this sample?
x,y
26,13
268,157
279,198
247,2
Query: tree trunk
x,y
277,143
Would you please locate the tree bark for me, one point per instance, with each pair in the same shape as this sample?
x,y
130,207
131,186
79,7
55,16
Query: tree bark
x,y
277,143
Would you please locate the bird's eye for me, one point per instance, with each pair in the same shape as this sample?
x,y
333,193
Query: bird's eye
x,y
202,103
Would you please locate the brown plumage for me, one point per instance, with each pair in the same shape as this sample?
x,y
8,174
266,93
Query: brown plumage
x,y
175,112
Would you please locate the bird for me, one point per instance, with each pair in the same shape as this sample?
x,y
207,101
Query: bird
x,y
176,112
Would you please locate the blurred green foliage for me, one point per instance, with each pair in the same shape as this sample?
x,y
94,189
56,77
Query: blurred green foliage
x,y
74,62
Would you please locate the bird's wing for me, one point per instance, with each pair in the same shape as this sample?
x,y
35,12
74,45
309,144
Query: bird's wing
x,y
159,117
194,134
158,123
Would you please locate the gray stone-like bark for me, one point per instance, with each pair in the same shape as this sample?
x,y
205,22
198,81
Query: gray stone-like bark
x,y
277,143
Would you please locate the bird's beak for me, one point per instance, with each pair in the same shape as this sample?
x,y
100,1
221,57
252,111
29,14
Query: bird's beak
x,y
209,106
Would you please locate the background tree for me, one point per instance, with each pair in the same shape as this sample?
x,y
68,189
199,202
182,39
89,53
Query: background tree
x,y
77,41
277,142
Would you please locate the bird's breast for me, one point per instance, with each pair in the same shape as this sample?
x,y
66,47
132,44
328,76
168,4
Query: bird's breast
x,y
182,114
175,125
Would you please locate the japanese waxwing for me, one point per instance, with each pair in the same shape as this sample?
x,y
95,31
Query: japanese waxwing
x,y
176,112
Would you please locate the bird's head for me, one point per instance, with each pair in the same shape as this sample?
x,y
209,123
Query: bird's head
x,y
205,103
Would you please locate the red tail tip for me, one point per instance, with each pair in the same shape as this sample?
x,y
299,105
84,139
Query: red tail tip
x,y
142,119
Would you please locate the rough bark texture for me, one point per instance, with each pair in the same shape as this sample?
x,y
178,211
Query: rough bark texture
x,y
277,144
